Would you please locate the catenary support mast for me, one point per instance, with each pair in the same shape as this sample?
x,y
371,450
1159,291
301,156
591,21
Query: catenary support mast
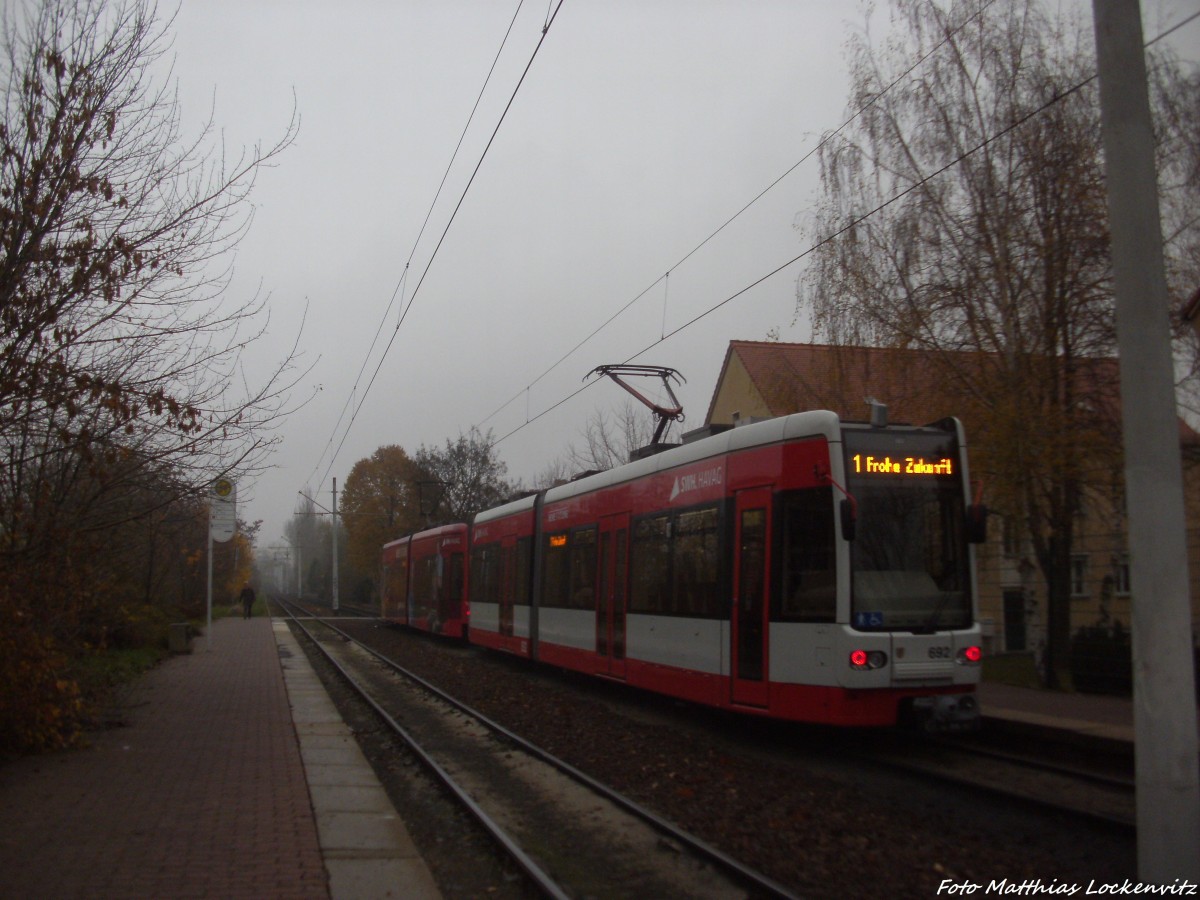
x,y
1164,690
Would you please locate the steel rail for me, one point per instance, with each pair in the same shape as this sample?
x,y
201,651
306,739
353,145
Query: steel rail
x,y
544,882
734,867
1030,762
1047,803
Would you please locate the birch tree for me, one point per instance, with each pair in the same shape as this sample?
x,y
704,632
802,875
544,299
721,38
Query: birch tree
x,y
965,210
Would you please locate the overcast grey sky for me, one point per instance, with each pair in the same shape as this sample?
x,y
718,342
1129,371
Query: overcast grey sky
x,y
642,126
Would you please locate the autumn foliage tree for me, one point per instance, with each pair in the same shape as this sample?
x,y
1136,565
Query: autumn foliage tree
x,y
122,390
380,503
390,494
965,216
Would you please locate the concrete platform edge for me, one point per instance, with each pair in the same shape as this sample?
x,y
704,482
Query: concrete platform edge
x,y
365,846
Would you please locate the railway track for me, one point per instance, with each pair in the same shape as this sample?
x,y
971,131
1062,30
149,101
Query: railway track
x,y
1080,789
570,834
809,806
344,610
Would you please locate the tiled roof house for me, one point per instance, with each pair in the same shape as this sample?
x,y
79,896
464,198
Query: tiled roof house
x,y
767,379
762,380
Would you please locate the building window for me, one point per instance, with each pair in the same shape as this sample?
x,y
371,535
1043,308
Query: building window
x,y
1015,640
1121,575
1012,537
1079,566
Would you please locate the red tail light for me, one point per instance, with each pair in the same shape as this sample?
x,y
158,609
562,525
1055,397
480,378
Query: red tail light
x,y
864,659
971,656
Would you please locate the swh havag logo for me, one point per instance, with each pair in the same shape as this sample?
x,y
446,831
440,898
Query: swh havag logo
x,y
696,481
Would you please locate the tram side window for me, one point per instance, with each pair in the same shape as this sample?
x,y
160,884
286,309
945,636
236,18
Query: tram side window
x,y
522,575
478,585
401,594
394,579
808,585
454,579
583,570
650,558
555,585
695,557
484,581
425,585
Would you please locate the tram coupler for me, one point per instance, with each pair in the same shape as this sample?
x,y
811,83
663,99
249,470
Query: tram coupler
x,y
945,713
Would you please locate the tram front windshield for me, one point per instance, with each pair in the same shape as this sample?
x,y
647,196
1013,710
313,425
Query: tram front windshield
x,y
909,556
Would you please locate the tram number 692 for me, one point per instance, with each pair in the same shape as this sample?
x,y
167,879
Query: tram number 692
x,y
940,653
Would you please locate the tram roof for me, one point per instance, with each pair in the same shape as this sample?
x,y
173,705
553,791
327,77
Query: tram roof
x,y
759,434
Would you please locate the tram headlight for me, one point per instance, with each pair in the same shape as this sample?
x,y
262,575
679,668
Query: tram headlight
x,y
969,656
862,660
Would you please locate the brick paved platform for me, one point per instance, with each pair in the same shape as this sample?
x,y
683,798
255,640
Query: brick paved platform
x,y
1086,715
202,794
1092,714
210,788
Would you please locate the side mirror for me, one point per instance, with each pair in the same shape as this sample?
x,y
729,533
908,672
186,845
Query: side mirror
x,y
977,516
849,518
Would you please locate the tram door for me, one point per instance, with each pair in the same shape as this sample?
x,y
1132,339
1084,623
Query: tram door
x,y
613,577
748,622
508,564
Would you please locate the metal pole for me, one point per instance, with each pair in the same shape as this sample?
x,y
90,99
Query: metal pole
x,y
208,627
1164,690
335,553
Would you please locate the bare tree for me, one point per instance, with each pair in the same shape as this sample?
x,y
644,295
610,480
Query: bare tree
x,y
115,334
967,200
609,437
558,471
462,478
1178,96
123,388
309,540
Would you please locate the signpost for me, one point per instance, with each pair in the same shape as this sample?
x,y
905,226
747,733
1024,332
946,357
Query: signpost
x,y
222,525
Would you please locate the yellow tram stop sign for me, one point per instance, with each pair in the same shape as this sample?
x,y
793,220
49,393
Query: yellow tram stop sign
x,y
222,506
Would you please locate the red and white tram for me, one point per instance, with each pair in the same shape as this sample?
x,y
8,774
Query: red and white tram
x,y
424,581
800,568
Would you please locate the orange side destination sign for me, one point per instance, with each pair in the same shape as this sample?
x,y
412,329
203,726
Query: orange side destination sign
x,y
909,465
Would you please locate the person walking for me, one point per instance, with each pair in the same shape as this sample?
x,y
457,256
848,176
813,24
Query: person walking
x,y
247,602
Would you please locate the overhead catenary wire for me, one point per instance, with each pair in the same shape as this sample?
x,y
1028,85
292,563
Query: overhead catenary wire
x,y
813,248
1170,31
757,197
397,291
446,230
848,226
354,388
666,297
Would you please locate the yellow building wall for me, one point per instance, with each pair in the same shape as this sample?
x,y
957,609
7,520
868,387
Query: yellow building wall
x,y
1100,541
736,394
